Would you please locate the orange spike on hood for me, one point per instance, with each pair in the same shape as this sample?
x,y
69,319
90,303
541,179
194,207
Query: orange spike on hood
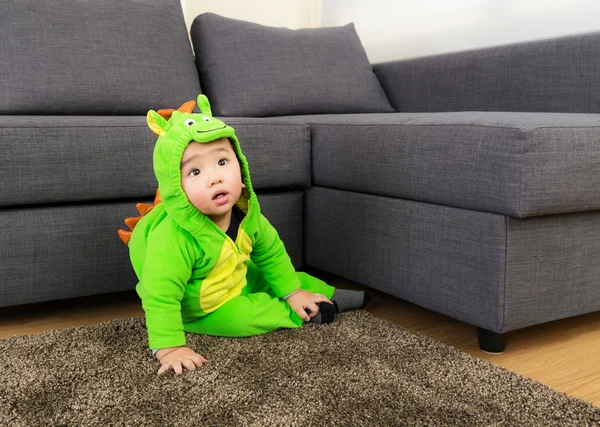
x,y
187,107
144,208
132,222
125,236
166,113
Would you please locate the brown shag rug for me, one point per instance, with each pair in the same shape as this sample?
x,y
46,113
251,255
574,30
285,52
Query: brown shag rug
x,y
358,370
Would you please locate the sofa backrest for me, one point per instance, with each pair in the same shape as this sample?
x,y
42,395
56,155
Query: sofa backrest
x,y
96,57
554,75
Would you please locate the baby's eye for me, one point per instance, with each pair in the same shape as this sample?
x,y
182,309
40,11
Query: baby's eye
x,y
189,122
194,172
223,162
206,119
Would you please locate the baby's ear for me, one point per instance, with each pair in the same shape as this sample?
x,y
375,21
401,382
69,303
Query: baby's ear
x,y
157,123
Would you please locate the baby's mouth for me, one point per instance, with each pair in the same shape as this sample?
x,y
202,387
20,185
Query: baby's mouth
x,y
219,195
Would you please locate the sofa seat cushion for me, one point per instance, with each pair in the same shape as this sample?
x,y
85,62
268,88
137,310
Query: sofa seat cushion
x,y
518,164
55,159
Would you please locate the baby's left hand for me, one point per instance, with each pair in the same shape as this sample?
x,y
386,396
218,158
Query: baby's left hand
x,y
301,300
178,359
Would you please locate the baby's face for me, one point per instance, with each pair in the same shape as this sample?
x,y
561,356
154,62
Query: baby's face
x,y
211,176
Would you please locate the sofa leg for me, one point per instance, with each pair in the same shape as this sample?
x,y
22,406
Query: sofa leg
x,y
491,342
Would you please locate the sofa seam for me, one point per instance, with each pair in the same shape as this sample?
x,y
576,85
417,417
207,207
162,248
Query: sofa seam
x,y
451,124
519,211
506,220
504,306
404,198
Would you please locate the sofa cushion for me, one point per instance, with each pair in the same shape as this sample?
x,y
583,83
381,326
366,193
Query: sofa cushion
x,y
552,75
94,57
251,70
50,159
518,164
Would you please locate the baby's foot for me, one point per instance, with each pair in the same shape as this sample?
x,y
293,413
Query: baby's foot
x,y
348,300
326,313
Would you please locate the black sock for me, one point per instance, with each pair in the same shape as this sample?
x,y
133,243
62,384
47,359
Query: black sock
x,y
348,300
326,313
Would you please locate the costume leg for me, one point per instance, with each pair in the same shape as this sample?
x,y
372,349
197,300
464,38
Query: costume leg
x,y
257,311
246,315
257,283
317,286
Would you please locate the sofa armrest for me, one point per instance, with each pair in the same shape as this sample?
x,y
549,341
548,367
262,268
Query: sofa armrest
x,y
554,75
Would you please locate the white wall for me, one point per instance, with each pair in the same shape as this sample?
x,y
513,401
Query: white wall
x,y
287,13
409,28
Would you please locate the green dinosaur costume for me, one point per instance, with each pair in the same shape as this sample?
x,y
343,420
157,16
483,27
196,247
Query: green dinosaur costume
x,y
192,276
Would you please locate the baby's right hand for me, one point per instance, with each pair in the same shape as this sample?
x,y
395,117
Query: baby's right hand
x,y
177,358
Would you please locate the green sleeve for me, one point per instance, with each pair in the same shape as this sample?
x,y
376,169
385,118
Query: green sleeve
x,y
269,255
167,269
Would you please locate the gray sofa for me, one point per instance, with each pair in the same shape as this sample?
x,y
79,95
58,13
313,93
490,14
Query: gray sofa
x,y
466,183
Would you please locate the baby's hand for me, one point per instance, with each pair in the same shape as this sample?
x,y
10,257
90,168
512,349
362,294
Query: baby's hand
x,y
301,300
177,358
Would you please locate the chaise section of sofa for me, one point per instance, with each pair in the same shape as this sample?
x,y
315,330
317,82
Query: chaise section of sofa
x,y
489,216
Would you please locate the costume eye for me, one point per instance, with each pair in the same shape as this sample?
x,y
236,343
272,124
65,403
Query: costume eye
x,y
189,122
194,172
206,119
223,162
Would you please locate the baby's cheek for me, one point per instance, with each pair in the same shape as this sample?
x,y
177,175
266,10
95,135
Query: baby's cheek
x,y
194,196
199,200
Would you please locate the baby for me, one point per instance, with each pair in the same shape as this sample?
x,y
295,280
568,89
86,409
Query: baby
x,y
207,260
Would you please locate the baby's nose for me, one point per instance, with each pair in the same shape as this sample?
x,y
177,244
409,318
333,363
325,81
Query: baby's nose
x,y
215,179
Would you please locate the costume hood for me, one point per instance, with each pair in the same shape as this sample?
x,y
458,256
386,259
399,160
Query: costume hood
x,y
175,130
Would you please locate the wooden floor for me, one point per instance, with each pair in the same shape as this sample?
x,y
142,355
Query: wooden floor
x,y
563,354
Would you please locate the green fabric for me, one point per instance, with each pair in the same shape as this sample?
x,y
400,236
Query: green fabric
x,y
257,311
183,260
